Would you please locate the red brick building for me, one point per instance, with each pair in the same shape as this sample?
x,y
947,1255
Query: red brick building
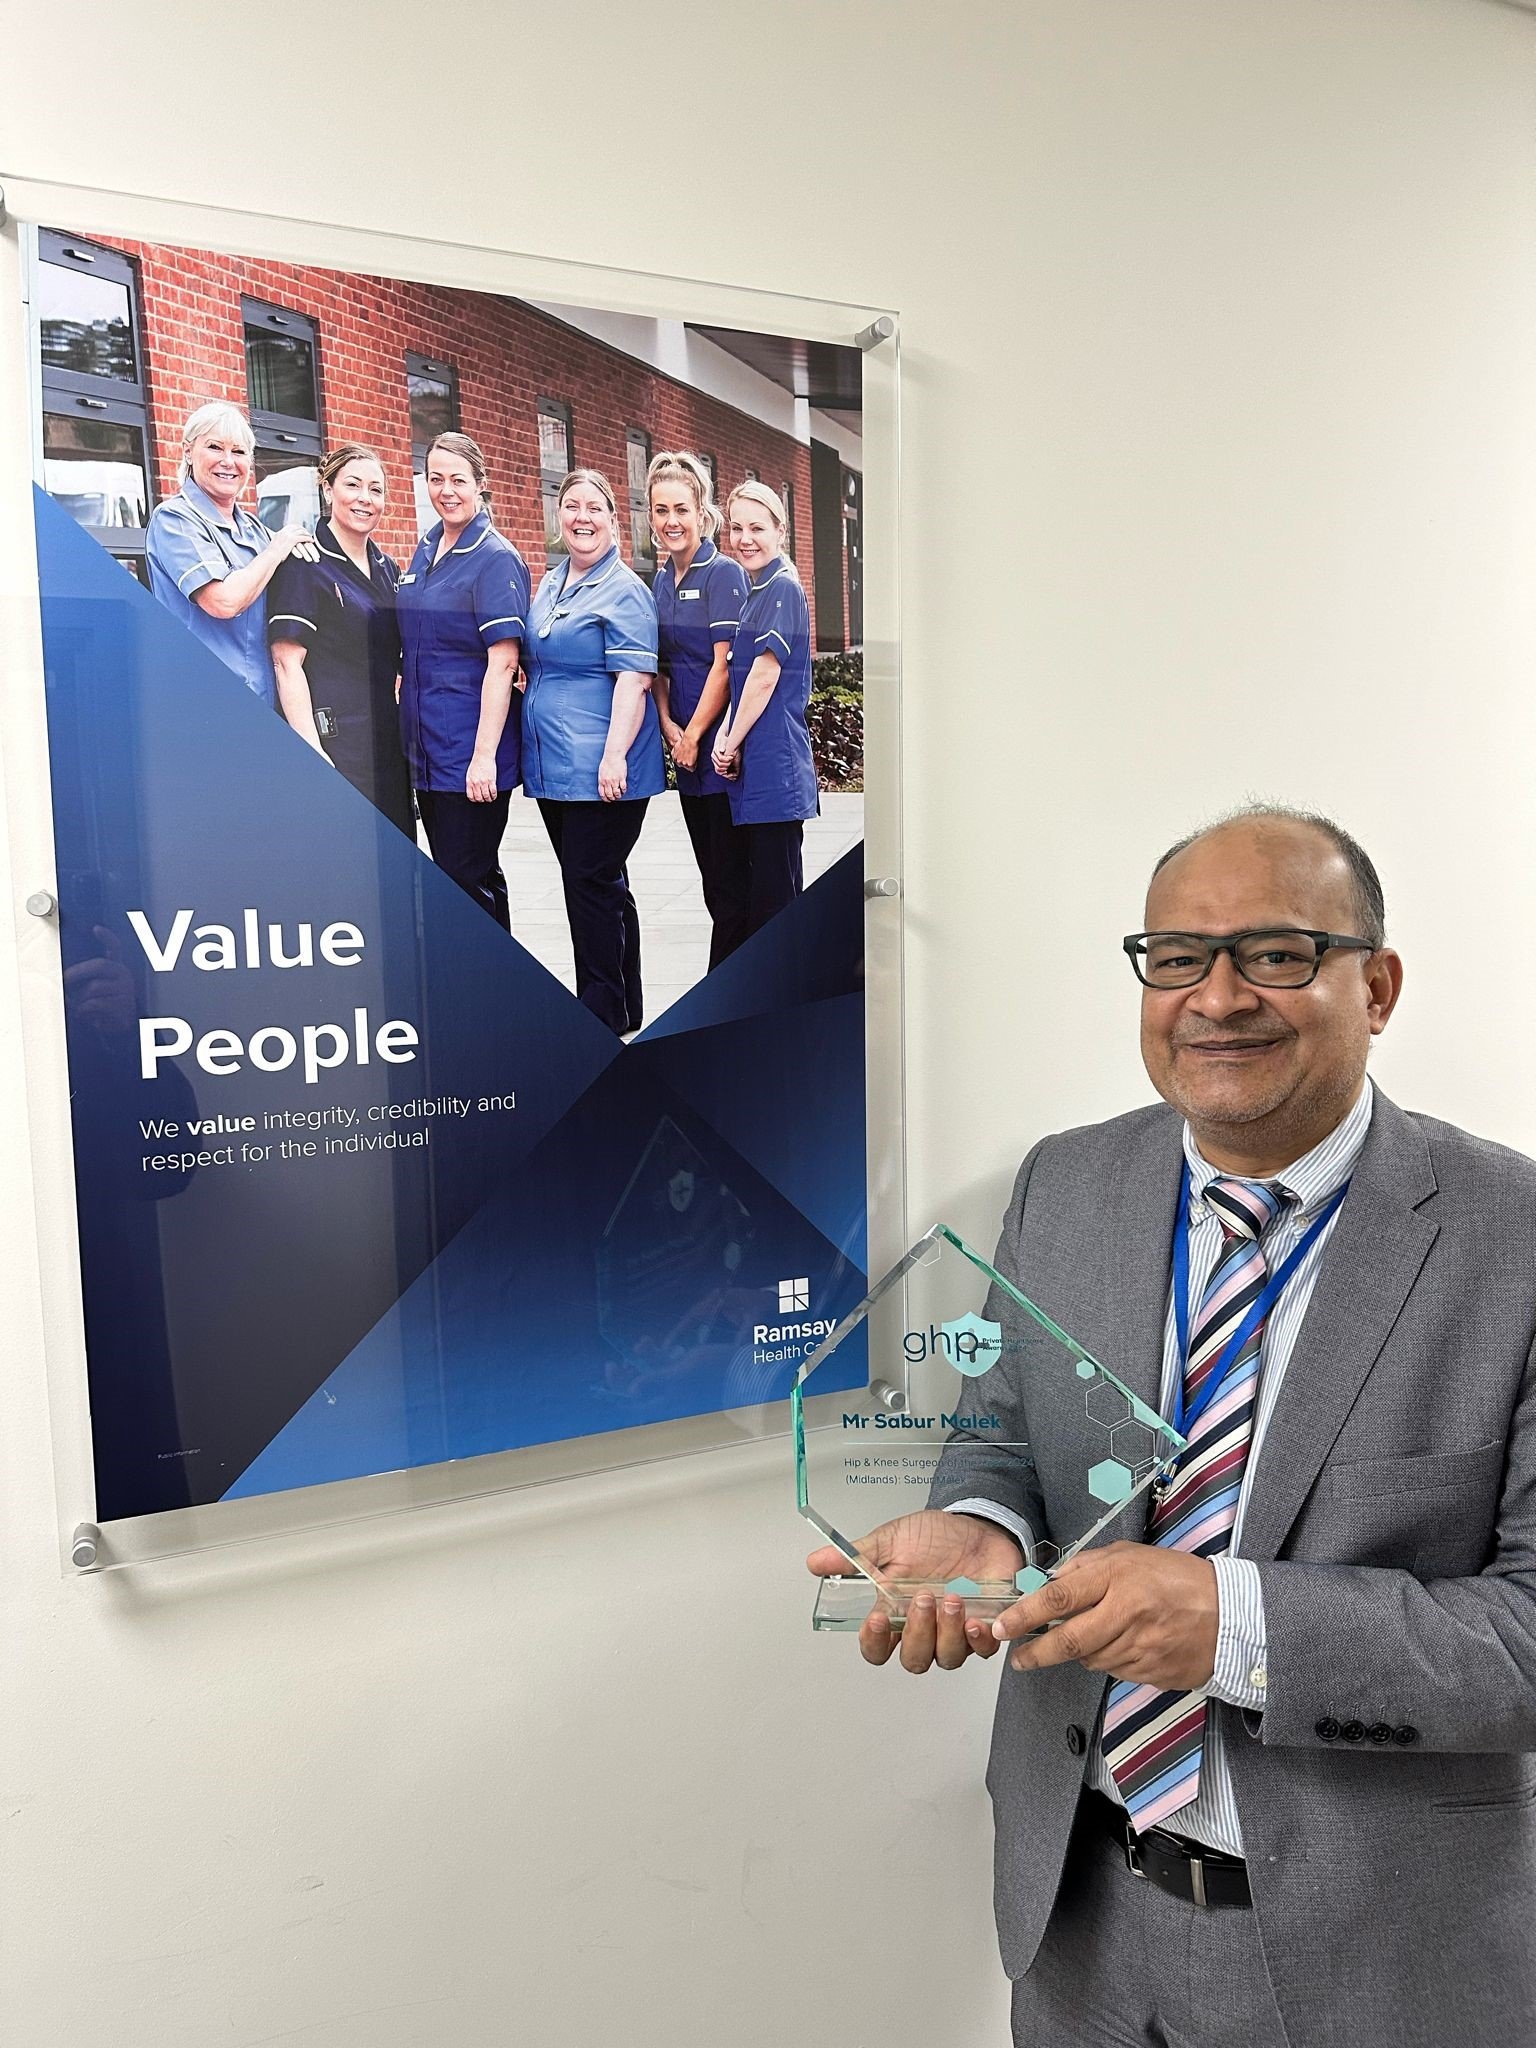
x,y
132,336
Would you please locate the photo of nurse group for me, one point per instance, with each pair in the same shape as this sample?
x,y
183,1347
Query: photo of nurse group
x,y
573,598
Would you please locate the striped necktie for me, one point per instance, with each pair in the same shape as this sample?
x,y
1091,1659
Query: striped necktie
x,y
1153,1740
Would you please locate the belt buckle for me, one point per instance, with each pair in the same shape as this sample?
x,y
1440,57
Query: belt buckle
x,y
1132,1851
1197,1880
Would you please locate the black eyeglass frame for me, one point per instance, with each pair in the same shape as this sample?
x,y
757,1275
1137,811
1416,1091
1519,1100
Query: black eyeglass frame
x,y
1135,943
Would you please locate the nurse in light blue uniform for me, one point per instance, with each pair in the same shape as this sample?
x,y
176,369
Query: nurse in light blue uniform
x,y
463,611
764,747
699,598
210,561
591,740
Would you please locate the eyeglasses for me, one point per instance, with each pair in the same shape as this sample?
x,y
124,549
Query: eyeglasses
x,y
1281,958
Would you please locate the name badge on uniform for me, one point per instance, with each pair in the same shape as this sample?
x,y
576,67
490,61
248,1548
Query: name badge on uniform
x,y
409,579
685,596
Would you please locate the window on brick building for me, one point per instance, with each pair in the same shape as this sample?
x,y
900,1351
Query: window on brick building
x,y
557,456
95,411
433,388
787,493
642,545
712,471
282,374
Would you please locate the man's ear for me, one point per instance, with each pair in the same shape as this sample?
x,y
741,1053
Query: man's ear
x,y
1384,984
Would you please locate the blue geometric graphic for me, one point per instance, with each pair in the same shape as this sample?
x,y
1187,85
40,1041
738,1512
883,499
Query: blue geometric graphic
x,y
515,1230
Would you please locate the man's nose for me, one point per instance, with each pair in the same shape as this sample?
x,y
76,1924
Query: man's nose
x,y
1223,991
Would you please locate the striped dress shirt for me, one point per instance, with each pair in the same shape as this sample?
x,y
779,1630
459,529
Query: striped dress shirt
x,y
1240,1676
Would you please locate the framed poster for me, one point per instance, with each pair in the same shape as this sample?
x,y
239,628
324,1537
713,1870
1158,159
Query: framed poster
x,y
453,756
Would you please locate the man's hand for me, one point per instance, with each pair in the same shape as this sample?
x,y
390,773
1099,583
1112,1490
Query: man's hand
x,y
1130,1609
935,1546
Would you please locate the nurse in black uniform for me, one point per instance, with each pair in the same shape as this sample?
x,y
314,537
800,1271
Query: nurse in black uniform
x,y
336,642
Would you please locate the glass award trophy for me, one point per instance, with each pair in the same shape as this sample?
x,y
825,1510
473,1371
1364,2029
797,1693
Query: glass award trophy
x,y
952,1371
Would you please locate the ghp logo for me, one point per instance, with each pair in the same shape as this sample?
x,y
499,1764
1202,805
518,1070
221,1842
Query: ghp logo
x,y
794,1296
974,1345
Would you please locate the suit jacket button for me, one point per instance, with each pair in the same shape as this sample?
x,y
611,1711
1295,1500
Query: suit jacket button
x,y
1382,1732
1405,1735
1327,1730
1076,1740
1353,1731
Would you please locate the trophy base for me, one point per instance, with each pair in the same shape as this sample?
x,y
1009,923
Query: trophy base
x,y
845,1604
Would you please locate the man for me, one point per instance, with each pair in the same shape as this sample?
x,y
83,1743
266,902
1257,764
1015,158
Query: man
x,y
1265,1778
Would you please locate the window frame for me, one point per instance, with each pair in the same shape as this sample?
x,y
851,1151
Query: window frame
x,y
75,393
51,245
560,409
418,364
288,433
643,562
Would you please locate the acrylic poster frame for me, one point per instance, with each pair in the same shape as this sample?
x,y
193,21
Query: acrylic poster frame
x,y
85,1543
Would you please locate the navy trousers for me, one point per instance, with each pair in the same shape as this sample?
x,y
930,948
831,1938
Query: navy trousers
x,y
465,839
592,841
725,869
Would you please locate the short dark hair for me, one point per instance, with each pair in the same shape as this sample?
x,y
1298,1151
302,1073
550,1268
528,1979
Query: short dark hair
x,y
1365,883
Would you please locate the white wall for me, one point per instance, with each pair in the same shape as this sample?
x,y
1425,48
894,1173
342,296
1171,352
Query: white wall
x,y
1221,477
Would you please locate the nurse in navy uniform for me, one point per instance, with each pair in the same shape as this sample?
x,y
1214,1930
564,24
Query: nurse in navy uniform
x,y
463,610
592,742
764,747
336,641
699,595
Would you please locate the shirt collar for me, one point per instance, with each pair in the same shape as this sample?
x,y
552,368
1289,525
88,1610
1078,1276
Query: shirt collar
x,y
200,501
706,554
602,567
331,548
472,535
1310,1179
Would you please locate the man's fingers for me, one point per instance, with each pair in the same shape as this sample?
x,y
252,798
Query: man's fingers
x,y
941,1635
919,1637
877,1638
953,1645
830,1563
1056,1600
1082,1638
1063,1645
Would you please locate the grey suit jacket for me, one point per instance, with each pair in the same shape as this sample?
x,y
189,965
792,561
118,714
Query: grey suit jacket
x,y
1392,1513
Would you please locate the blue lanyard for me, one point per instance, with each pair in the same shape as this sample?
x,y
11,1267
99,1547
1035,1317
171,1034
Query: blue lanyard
x,y
1185,1423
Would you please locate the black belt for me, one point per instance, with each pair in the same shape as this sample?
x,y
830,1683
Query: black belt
x,y
1189,1870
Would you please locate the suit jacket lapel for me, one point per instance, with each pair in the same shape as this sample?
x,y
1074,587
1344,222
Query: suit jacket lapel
x,y
1137,1251
1369,1267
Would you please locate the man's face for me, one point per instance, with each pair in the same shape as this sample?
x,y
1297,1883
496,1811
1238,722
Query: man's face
x,y
1230,1055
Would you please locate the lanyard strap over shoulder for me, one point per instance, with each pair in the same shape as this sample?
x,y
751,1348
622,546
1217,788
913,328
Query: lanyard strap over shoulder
x,y
1184,1421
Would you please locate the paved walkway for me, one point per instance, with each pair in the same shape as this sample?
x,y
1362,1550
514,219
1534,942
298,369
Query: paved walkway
x,y
674,926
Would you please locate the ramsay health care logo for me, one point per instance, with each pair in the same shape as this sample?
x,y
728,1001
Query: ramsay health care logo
x,y
794,1336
